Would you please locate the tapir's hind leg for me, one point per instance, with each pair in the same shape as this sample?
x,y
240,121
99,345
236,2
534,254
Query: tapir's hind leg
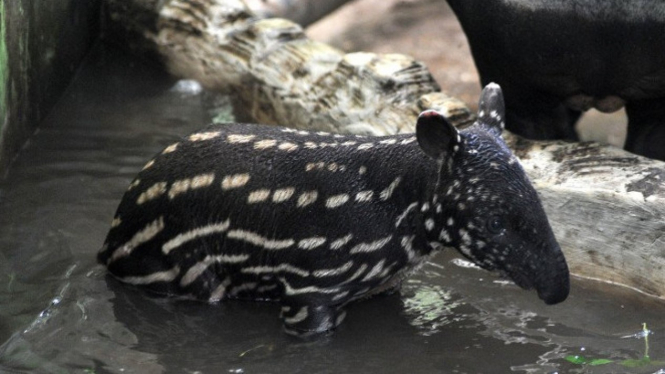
x,y
646,128
306,320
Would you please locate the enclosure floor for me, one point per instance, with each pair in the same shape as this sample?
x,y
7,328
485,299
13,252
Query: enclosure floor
x,y
60,313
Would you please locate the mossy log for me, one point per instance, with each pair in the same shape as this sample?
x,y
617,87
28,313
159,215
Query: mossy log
x,y
606,206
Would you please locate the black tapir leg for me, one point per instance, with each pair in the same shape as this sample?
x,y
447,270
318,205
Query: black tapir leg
x,y
541,118
306,320
646,128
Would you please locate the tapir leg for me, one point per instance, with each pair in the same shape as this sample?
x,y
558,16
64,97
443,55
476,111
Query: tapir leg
x,y
304,320
646,128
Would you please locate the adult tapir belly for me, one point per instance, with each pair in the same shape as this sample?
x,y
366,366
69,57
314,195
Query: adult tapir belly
x,y
555,59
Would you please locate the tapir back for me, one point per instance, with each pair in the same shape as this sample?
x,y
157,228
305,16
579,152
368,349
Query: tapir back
x,y
247,211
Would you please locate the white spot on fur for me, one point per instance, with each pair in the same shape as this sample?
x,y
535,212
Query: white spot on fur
x,y
157,190
444,235
337,200
424,208
170,148
282,194
198,232
365,146
298,317
148,232
116,222
288,147
134,184
258,196
310,145
450,221
235,181
388,141
333,272
362,170
236,138
355,275
314,166
242,287
258,240
307,198
408,140
364,196
429,224
376,270
204,136
264,144
281,268
180,186
339,243
464,236
200,267
290,291
405,213
387,193
371,246
311,243
407,244
220,291
339,296
148,165
349,143
160,276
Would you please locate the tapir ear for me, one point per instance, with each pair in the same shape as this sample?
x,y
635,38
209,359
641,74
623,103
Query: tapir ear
x,y
436,136
492,109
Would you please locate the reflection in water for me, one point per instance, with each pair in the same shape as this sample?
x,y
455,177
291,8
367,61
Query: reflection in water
x,y
61,313
430,307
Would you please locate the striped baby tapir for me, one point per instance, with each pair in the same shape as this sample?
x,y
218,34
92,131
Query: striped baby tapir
x,y
315,220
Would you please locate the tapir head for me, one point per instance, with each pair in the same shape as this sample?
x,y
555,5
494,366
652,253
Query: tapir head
x,y
489,210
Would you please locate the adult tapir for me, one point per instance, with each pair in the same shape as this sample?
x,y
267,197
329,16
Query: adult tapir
x,y
555,59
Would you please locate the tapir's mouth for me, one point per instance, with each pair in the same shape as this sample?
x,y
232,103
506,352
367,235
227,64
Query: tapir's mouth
x,y
520,279
550,295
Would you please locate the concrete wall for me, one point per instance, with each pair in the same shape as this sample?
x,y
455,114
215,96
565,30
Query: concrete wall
x,y
41,45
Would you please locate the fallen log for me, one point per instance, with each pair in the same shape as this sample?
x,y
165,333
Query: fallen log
x,y
606,206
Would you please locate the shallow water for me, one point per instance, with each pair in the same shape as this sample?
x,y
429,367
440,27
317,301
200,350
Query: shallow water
x,y
59,313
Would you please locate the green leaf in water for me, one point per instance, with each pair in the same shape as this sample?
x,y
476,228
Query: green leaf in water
x,y
599,361
581,360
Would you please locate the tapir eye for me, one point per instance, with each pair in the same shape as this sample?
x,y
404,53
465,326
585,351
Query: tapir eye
x,y
495,225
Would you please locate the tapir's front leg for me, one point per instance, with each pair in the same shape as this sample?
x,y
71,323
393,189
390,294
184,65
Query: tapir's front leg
x,y
646,132
303,320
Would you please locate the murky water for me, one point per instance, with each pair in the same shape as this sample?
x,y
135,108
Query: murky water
x,y
59,313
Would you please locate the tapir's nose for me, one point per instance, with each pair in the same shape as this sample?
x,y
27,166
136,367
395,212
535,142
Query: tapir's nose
x,y
554,286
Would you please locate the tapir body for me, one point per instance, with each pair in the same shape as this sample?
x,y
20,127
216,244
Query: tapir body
x,y
316,220
555,59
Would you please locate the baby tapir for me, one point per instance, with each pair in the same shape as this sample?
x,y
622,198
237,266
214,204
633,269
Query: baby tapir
x,y
315,220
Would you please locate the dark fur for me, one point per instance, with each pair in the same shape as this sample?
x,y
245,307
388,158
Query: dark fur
x,y
464,184
555,58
